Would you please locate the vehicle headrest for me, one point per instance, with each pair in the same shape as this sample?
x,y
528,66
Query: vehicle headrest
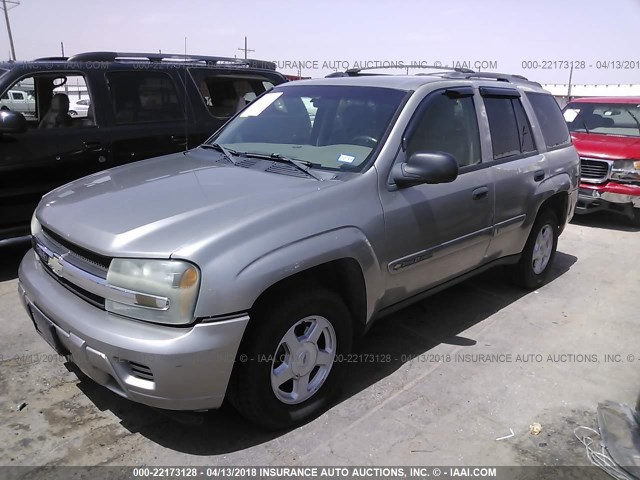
x,y
60,103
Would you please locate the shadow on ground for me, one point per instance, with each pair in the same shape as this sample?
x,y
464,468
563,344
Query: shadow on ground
x,y
605,220
412,331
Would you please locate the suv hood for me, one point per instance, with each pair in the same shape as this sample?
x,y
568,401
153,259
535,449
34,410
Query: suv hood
x,y
152,208
611,147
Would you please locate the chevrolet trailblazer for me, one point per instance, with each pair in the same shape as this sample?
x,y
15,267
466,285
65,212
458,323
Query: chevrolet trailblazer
x,y
245,268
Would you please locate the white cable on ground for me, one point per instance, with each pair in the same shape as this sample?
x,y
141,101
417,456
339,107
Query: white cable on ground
x,y
601,458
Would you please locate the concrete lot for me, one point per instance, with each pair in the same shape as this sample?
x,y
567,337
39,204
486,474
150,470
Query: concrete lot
x,y
429,410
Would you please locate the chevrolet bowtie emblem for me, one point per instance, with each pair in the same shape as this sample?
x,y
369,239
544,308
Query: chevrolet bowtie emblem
x,y
55,265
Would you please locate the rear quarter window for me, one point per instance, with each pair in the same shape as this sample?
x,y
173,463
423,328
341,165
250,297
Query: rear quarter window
x,y
552,123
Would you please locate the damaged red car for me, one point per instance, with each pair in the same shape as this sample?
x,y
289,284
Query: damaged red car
x,y
606,133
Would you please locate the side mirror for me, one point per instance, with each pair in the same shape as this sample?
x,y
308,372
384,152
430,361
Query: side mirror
x,y
12,122
437,167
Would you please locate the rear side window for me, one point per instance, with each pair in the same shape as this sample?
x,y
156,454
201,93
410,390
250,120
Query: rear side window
x,y
509,126
552,123
144,97
225,95
524,127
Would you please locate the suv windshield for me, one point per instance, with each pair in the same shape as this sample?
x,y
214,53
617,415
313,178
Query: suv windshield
x,y
331,127
604,118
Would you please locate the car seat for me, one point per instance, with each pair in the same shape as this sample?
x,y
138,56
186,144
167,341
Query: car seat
x,y
58,114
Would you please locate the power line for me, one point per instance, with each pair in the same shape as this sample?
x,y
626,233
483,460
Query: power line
x,y
6,6
245,49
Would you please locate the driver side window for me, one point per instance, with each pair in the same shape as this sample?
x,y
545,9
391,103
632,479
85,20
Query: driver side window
x,y
448,124
51,100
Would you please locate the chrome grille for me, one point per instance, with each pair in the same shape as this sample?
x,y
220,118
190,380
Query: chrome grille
x,y
80,257
594,171
45,247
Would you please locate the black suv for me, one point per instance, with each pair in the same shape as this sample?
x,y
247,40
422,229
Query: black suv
x,y
92,111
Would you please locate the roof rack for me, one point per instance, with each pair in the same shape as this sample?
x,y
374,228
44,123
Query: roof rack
x,y
500,77
169,58
352,72
450,72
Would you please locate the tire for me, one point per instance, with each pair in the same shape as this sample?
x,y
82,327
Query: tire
x,y
73,113
636,218
270,346
530,272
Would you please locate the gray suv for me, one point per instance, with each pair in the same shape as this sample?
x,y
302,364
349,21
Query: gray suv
x,y
245,268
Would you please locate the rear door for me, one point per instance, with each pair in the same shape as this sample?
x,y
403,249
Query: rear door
x,y
518,168
148,114
47,156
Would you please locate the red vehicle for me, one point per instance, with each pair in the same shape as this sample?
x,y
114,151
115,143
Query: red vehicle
x,y
606,133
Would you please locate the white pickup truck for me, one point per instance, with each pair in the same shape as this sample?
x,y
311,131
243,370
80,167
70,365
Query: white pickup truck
x,y
18,101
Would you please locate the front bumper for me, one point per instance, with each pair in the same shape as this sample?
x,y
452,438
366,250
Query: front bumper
x,y
176,368
610,196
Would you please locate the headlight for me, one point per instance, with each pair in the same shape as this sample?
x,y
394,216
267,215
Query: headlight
x,y
36,228
626,170
161,291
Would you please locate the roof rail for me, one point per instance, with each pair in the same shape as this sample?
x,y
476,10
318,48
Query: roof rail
x,y
500,77
171,58
51,59
352,72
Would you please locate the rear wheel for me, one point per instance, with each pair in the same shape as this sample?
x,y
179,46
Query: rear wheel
x,y
537,257
288,366
636,217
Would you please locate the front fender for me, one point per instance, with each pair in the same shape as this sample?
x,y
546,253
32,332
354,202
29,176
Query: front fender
x,y
256,276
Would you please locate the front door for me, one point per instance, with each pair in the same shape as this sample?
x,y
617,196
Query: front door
x,y
56,148
436,232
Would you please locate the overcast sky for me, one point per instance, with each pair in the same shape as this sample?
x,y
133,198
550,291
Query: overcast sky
x,y
317,33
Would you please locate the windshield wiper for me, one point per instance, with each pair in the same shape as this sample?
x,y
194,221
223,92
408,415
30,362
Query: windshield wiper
x,y
226,153
634,118
301,165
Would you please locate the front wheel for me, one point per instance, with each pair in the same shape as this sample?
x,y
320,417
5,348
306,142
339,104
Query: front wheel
x,y
537,257
289,363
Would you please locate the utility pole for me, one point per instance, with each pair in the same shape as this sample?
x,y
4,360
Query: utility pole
x,y
245,49
569,89
12,3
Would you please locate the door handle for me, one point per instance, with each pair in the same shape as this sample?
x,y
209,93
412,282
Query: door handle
x,y
92,146
179,139
538,175
480,192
